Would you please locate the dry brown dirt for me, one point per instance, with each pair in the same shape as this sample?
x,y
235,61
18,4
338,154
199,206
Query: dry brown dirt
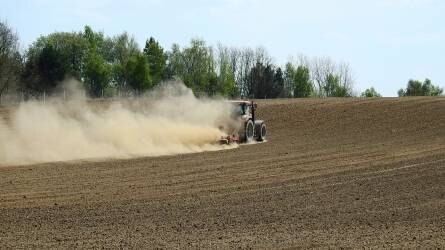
x,y
335,173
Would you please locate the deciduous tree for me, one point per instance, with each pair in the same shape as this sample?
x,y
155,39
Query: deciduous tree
x,y
417,88
52,58
137,73
156,60
10,58
298,81
371,92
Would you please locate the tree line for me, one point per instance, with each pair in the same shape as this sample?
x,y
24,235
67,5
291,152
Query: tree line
x,y
110,65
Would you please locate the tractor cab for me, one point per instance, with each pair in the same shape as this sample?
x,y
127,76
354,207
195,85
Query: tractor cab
x,y
244,109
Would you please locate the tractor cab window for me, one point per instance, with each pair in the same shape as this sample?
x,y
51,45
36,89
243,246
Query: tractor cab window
x,y
246,109
239,110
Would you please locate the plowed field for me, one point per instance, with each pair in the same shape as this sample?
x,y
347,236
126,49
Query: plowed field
x,y
333,173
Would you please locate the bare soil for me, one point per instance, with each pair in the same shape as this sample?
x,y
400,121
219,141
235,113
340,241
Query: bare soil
x,y
334,173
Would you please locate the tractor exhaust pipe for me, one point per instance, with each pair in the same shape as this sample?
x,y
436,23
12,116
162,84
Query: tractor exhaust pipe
x,y
253,112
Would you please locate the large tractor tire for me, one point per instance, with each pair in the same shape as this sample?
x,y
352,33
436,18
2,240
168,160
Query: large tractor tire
x,y
260,131
249,132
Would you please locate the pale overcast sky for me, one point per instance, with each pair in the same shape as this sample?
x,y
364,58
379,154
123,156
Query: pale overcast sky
x,y
386,42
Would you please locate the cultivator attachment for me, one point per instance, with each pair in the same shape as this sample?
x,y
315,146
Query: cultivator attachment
x,y
229,139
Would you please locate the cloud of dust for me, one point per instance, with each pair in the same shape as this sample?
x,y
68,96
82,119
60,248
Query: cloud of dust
x,y
169,120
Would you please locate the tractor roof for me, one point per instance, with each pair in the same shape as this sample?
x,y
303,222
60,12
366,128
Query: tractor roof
x,y
239,102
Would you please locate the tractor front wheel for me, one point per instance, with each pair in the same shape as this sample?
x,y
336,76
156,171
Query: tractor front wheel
x,y
249,131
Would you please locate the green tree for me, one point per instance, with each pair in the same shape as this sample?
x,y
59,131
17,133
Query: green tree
x,y
137,72
277,88
430,90
52,58
414,88
299,83
303,84
212,86
44,70
10,58
259,77
199,66
97,75
156,59
175,63
97,72
332,76
225,84
417,88
371,92
334,88
103,46
123,47
195,66
265,81
245,65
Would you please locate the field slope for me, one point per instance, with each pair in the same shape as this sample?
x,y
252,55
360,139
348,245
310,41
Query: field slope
x,y
334,173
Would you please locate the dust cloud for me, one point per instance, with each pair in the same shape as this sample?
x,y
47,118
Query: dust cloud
x,y
169,120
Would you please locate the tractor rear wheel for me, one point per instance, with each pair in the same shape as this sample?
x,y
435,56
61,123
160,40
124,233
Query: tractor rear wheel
x,y
261,132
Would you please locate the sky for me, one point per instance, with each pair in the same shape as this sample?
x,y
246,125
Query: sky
x,y
385,42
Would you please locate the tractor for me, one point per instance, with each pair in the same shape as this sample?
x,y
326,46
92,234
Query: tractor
x,y
247,128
